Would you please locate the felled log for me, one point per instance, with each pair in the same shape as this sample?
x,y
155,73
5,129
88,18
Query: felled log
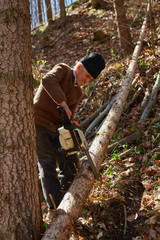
x,y
71,206
102,113
144,115
135,96
100,116
145,99
90,95
147,93
89,119
152,99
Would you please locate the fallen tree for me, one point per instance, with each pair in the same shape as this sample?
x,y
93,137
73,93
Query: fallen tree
x,y
71,206
153,97
97,117
145,113
88,120
100,116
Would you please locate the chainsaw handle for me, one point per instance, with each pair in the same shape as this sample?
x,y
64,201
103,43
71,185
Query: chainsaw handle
x,y
76,123
64,119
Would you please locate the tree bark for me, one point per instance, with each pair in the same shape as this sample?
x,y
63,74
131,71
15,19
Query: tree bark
x,y
135,96
100,117
40,11
152,99
124,35
73,201
49,10
19,202
90,118
97,3
55,6
62,11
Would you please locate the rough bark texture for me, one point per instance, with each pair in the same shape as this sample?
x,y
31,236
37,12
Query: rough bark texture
x,y
124,34
72,203
100,116
19,202
153,97
90,118
49,10
40,11
97,3
62,10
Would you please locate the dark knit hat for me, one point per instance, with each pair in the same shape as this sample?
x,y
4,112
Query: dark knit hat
x,y
94,64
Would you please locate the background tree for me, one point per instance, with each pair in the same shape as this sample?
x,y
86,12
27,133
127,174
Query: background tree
x,y
125,40
55,6
40,11
97,3
19,201
62,10
49,10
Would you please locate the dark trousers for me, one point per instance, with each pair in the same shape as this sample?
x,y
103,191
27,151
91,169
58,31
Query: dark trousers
x,y
49,158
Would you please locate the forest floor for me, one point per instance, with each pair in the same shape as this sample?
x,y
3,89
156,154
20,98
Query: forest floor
x,y
125,202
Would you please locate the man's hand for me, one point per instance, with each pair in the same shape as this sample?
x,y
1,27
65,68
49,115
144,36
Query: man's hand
x,y
66,108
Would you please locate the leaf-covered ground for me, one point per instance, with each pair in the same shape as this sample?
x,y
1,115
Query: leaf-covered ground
x,y
125,202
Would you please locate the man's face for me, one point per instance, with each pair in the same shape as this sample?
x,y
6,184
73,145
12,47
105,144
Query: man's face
x,y
82,75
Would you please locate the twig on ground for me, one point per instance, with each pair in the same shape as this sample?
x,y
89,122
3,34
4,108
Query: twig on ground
x,y
127,139
120,156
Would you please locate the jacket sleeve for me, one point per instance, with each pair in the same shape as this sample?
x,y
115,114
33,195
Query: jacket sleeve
x,y
51,83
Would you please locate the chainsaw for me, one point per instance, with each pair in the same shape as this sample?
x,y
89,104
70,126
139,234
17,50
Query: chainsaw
x,y
72,138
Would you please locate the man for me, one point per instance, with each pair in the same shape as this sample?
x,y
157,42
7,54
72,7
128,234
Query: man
x,y
61,86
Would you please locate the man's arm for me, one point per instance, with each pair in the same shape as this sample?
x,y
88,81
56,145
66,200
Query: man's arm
x,y
51,84
66,108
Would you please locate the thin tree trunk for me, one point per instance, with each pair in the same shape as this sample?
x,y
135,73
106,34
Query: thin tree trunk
x,y
90,118
135,96
19,202
145,99
152,99
125,40
62,11
55,6
73,201
49,10
40,11
100,116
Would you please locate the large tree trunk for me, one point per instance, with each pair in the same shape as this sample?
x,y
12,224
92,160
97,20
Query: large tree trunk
x,y
19,197
124,35
73,201
49,10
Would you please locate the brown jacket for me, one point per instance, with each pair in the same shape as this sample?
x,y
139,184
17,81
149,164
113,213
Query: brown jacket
x,y
57,86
